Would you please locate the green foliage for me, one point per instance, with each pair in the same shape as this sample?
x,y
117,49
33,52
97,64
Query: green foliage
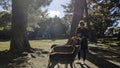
x,y
36,15
100,15
34,11
5,20
36,4
69,7
51,28
116,29
67,19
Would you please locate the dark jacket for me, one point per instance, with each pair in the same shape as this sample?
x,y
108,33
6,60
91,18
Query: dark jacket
x,y
84,35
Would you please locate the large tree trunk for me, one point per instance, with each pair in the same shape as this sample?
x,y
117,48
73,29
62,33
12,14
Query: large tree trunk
x,y
87,16
19,41
79,9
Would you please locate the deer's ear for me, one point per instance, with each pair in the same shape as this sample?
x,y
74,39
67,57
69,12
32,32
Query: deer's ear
x,y
53,45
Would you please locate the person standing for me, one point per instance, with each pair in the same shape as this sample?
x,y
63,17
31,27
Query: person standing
x,y
82,32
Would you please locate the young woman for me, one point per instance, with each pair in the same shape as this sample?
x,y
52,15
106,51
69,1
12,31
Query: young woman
x,y
82,32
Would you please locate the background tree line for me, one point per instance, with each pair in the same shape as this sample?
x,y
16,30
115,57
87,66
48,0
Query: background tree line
x,y
42,28
39,24
101,15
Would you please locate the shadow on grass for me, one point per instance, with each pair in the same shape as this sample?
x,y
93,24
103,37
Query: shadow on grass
x,y
103,51
83,65
99,60
4,40
118,44
7,58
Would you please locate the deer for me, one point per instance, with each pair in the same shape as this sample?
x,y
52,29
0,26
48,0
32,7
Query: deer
x,y
64,54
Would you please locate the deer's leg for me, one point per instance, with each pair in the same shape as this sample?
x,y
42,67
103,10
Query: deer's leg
x,y
58,65
53,64
48,66
66,65
71,65
74,65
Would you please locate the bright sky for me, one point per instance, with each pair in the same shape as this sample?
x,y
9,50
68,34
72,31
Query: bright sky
x,y
55,8
1,8
119,23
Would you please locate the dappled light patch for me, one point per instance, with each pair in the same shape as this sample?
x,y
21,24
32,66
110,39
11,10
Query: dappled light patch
x,y
24,60
106,53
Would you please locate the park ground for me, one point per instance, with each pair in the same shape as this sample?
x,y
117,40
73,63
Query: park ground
x,y
101,55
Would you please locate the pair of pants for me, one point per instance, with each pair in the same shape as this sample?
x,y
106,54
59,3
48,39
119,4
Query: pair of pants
x,y
83,51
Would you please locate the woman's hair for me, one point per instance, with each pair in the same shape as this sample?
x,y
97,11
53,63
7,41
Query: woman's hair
x,y
81,23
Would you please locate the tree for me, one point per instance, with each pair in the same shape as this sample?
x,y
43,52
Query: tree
x,y
68,15
79,11
19,40
103,14
35,12
99,14
35,17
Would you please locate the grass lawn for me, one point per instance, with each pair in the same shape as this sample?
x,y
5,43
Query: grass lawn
x,y
4,45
